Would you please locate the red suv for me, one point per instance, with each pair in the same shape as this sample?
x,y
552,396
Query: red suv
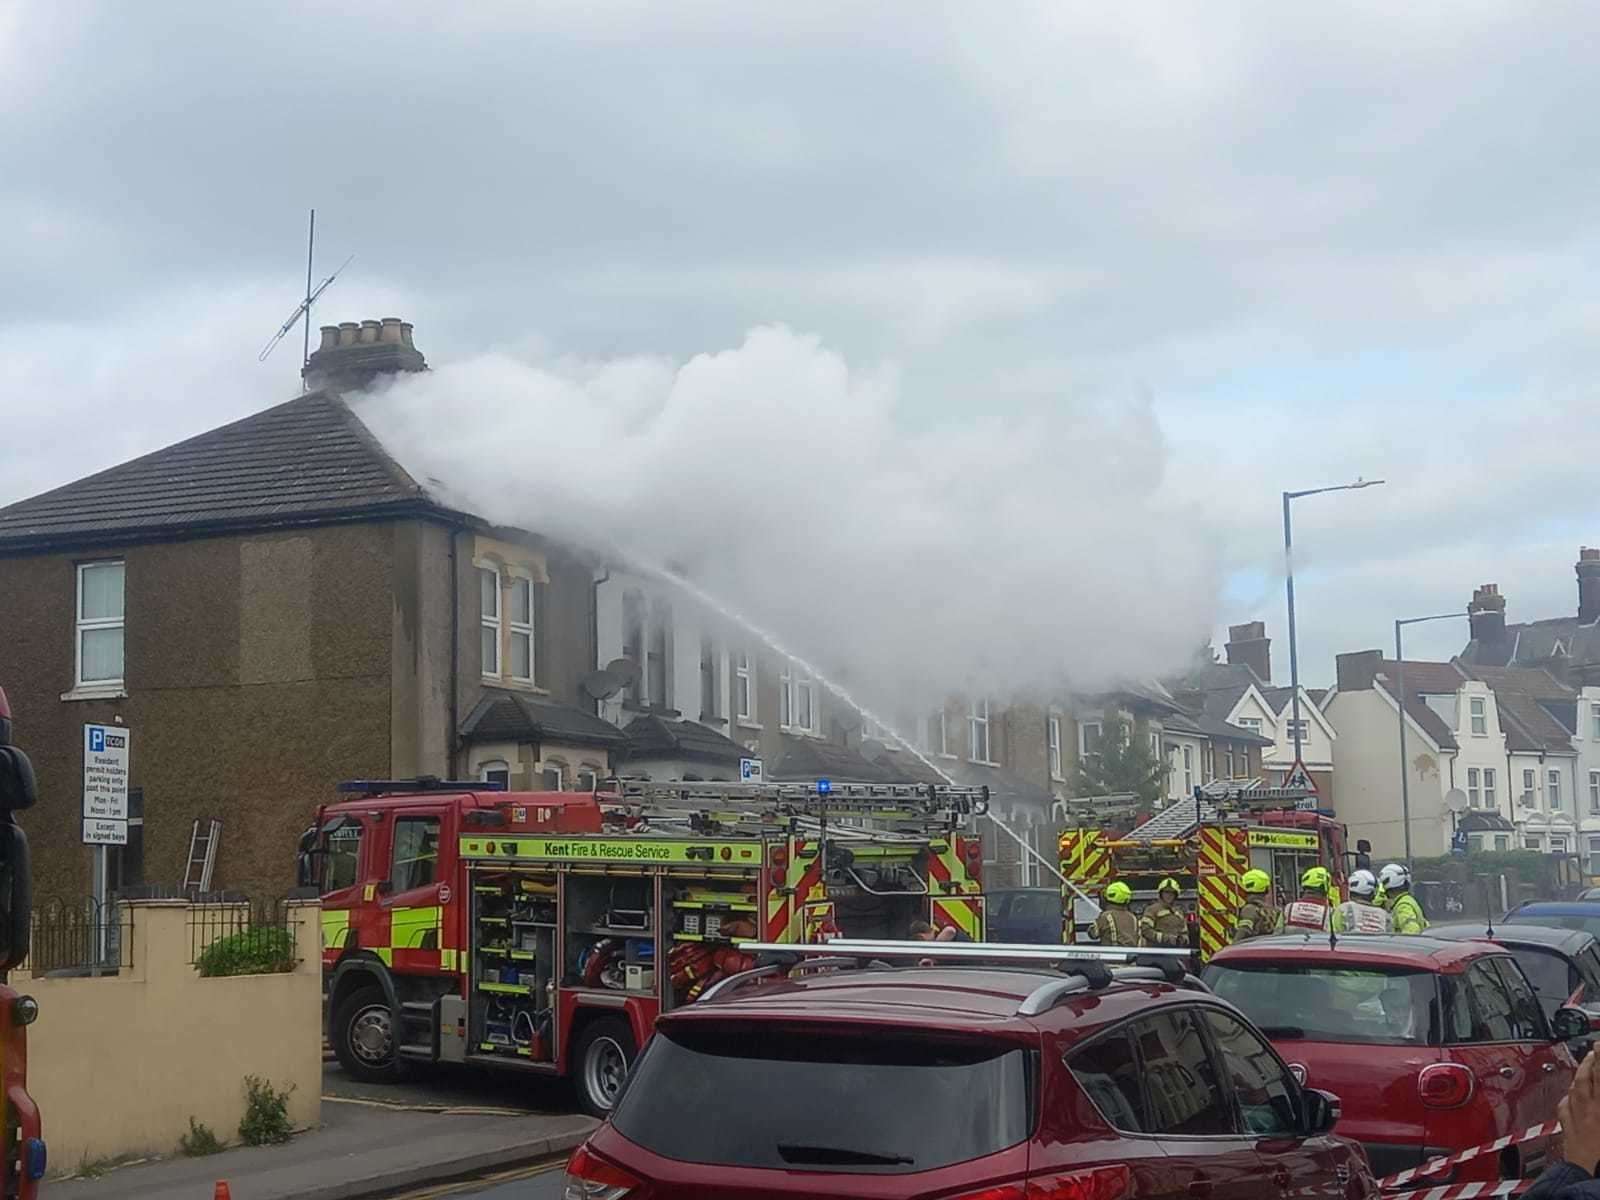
x,y
965,1083
1434,1046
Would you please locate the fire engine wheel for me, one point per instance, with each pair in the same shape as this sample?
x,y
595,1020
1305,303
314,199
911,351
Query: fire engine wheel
x,y
364,1040
604,1053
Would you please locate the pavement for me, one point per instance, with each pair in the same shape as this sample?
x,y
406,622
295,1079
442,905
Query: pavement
x,y
373,1141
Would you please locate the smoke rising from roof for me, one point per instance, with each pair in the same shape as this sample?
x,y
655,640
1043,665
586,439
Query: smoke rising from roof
x,y
1001,552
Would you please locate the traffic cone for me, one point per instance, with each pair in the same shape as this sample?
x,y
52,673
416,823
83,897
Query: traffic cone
x,y
222,1192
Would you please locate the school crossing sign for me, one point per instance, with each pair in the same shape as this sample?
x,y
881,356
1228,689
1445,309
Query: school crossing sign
x,y
1300,779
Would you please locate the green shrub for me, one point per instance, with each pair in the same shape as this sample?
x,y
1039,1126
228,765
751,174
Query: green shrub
x,y
199,1141
252,952
266,1113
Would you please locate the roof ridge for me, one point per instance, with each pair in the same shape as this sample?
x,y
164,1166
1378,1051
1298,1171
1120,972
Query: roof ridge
x,y
370,440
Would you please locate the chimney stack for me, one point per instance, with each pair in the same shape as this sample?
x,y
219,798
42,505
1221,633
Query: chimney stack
x,y
1357,671
1250,645
354,353
1487,614
1588,585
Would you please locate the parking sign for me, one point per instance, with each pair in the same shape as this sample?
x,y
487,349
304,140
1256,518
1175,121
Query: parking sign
x,y
105,784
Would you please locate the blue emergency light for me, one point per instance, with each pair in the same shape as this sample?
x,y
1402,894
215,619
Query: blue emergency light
x,y
824,786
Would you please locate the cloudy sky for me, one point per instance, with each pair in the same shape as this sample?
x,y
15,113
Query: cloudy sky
x,y
1358,239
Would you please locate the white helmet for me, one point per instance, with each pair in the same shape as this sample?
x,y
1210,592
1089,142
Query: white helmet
x,y
1394,877
1363,884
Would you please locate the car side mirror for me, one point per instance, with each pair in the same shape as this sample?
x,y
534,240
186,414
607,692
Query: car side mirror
x,y
16,895
1571,1023
1322,1112
18,788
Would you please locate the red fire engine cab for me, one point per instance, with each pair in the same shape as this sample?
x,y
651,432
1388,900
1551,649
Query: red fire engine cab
x,y
545,931
23,1164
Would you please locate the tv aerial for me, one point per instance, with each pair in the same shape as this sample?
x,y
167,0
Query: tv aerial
x,y
303,309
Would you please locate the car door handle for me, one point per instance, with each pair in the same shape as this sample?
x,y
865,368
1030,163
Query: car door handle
x,y
1548,1067
1200,1186
1508,1072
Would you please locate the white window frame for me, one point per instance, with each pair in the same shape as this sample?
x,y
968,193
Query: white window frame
x,y
1594,719
943,748
1558,843
1305,731
1474,800
494,621
1553,789
1188,770
1478,715
744,687
561,770
1533,841
84,625
1502,842
793,684
1053,741
978,722
1085,750
1594,792
587,778
495,766
1253,724
1227,758
518,628
1490,800
710,676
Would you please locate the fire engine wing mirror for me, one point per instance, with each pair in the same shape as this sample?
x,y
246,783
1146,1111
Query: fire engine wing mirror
x,y
1321,1112
1571,1023
16,894
305,863
18,789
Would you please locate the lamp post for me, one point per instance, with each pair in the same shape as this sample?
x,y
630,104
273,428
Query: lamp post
x,y
1288,562
1400,702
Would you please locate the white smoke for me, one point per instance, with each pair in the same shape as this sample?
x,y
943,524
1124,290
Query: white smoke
x,y
1000,552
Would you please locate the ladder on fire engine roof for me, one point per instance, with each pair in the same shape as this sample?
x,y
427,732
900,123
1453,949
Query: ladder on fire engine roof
x,y
762,802
202,854
1213,803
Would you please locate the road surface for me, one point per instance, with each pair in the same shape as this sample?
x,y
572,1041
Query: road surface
x,y
532,1183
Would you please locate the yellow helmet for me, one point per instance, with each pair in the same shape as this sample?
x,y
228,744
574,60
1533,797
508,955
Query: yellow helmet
x,y
1256,882
1168,884
1118,893
1316,879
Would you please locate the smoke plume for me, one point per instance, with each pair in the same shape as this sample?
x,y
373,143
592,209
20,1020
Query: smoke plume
x,y
1010,553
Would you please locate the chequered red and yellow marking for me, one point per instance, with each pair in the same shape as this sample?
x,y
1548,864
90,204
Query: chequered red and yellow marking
x,y
957,895
1224,856
1086,862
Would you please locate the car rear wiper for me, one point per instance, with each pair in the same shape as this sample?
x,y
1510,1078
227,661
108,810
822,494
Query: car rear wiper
x,y
1282,1031
839,1156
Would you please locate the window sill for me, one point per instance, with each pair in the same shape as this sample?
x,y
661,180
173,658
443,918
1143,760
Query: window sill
x,y
517,685
712,719
97,691
744,724
950,757
981,762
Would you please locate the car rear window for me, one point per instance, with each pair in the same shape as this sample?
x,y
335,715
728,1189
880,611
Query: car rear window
x,y
1290,1001
799,1101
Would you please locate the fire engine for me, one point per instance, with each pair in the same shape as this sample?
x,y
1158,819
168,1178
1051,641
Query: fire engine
x,y
23,1163
1206,844
545,931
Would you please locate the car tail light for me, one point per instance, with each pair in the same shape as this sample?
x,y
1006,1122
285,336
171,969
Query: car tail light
x,y
592,1178
1097,1183
1444,1085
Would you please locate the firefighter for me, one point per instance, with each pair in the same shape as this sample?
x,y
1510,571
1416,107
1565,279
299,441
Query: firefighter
x,y
1116,925
1313,910
1403,907
1362,913
1256,915
1164,923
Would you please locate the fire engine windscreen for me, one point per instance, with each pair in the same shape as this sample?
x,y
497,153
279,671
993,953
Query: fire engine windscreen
x,y
821,502
793,1100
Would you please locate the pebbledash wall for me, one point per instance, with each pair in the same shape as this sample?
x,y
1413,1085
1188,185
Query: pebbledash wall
x,y
119,1064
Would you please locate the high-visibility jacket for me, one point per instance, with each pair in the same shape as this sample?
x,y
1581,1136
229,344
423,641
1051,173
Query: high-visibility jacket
x,y
1309,912
1163,925
1254,919
1407,914
1116,926
1357,916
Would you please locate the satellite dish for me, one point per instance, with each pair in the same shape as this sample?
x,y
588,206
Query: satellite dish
x,y
624,670
601,685
870,749
1455,800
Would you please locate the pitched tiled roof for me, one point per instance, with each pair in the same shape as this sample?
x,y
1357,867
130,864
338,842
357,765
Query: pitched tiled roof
x,y
305,461
518,717
1006,790
1528,726
813,758
1532,643
1531,681
1221,675
654,736
1425,677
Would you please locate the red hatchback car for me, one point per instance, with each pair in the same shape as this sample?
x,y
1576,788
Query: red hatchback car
x,y
1433,1046
966,1083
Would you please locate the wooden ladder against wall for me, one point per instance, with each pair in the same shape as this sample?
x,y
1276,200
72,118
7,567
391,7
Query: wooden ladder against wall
x,y
202,855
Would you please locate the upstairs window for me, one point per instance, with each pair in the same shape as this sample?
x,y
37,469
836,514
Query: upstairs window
x,y
1053,730
1528,799
633,642
1474,797
797,709
521,621
710,708
1480,719
1489,800
938,735
658,662
744,688
99,624
978,732
1594,791
1089,735
1594,719
1554,778
1253,724
489,613
1302,727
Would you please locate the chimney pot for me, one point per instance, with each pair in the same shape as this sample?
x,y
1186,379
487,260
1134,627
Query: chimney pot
x,y
390,333
347,333
353,354
330,337
1487,614
405,333
1248,644
369,333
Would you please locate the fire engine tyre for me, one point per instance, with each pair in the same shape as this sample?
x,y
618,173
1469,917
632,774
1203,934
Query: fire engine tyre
x,y
604,1052
363,1037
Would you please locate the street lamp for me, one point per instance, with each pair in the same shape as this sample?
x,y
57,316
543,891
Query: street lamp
x,y
1400,701
1288,562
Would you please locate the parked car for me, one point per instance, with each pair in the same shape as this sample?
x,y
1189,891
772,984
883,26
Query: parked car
x,y
1023,915
1561,914
1433,1045
1562,964
965,1083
